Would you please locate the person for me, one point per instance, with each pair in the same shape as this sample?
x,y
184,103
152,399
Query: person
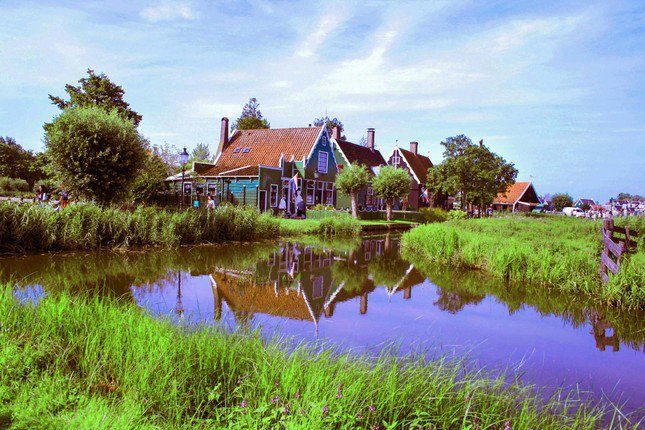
x,y
282,207
210,203
196,202
64,199
300,205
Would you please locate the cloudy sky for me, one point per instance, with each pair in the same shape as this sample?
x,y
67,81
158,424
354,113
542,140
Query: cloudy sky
x,y
555,87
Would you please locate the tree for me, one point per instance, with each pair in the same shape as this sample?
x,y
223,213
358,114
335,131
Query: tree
x,y
363,141
391,183
350,181
472,171
150,178
97,90
251,117
561,200
330,124
17,162
585,207
200,154
97,154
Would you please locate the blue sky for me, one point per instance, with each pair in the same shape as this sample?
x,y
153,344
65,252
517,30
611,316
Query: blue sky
x,y
555,87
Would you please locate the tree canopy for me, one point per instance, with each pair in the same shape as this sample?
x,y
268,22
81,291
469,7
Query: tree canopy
x,y
251,117
97,154
16,162
200,154
473,171
622,197
391,183
97,90
561,200
330,124
350,181
150,178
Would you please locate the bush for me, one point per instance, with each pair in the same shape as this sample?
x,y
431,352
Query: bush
x,y
341,224
434,214
321,207
8,186
457,215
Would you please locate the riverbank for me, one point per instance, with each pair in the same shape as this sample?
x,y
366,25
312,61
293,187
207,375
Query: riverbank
x,y
78,361
556,252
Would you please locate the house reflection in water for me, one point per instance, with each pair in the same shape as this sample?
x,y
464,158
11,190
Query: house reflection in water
x,y
305,283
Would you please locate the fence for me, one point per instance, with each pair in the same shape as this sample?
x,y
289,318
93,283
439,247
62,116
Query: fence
x,y
614,247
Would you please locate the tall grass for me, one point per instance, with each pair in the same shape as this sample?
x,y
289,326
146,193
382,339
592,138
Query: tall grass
x,y
561,253
87,362
31,228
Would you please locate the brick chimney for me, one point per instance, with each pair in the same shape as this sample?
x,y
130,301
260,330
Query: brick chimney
x,y
370,138
414,147
223,136
335,132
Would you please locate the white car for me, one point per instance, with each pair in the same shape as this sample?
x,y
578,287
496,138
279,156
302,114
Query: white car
x,y
575,212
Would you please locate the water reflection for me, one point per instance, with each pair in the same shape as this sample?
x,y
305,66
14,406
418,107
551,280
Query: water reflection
x,y
362,295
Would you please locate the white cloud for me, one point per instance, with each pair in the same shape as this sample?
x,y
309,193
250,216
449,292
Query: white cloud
x,y
168,12
327,23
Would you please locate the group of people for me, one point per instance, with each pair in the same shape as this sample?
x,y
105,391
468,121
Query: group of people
x,y
285,208
43,197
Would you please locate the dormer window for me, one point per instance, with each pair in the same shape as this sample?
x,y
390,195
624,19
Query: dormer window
x,y
236,150
247,150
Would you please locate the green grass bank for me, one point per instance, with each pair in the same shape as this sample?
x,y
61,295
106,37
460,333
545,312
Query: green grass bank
x,y
80,362
557,252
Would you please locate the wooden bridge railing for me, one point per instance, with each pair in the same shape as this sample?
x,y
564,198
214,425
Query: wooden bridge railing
x,y
615,247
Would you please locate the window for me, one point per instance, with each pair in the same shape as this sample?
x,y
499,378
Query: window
x,y
369,198
273,198
322,162
318,287
310,192
236,150
396,160
324,140
329,194
247,150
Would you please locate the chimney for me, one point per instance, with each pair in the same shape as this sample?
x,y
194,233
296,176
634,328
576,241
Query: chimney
x,y
414,147
370,138
223,136
335,132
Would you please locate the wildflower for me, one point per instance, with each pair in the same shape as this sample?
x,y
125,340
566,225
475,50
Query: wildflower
x,y
277,384
244,404
507,425
239,382
276,399
297,394
376,427
372,408
340,392
302,411
360,415
325,410
286,409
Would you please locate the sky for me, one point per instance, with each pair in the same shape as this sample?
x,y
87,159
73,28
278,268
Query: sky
x,y
557,88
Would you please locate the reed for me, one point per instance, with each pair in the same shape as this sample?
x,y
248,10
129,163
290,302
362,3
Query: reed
x,y
561,253
82,362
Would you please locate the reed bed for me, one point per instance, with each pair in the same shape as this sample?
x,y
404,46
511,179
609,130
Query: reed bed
x,y
31,228
82,362
561,253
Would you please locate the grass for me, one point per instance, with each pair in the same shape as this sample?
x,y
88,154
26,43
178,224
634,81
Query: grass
x,y
81,362
557,252
336,225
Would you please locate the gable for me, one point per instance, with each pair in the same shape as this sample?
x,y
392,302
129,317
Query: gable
x,y
322,145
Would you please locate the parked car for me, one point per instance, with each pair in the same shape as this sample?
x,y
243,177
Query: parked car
x,y
541,208
575,212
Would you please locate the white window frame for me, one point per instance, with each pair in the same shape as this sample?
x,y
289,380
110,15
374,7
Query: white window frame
x,y
320,162
396,160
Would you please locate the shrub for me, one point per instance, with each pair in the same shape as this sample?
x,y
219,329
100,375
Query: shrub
x,y
434,214
11,185
457,215
338,225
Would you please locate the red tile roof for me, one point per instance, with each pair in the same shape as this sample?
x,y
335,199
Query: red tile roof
x,y
360,154
418,163
513,193
265,147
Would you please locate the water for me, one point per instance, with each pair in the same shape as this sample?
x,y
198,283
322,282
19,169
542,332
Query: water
x,y
364,296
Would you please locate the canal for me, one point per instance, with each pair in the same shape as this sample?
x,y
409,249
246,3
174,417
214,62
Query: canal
x,y
364,296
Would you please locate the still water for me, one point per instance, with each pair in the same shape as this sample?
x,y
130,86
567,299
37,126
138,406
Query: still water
x,y
365,296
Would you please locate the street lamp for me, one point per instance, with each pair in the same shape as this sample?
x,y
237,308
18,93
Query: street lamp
x,y
183,159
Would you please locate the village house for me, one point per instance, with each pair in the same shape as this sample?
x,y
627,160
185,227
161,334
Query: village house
x,y
259,167
581,202
519,197
348,153
417,166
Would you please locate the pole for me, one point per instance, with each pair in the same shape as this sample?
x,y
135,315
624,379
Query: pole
x,y
181,202
244,195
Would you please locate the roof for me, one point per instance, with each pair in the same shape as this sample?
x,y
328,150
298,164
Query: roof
x,y
418,164
250,148
360,154
587,201
513,193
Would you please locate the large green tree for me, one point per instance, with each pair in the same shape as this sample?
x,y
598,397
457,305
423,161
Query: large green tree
x,y
391,183
150,178
561,200
473,171
97,90
350,181
330,123
16,162
97,154
251,117
200,154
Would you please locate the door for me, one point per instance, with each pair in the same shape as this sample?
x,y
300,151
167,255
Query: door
x,y
262,201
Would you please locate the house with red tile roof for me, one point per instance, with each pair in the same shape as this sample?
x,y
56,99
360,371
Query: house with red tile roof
x,y
260,167
519,197
417,166
348,153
